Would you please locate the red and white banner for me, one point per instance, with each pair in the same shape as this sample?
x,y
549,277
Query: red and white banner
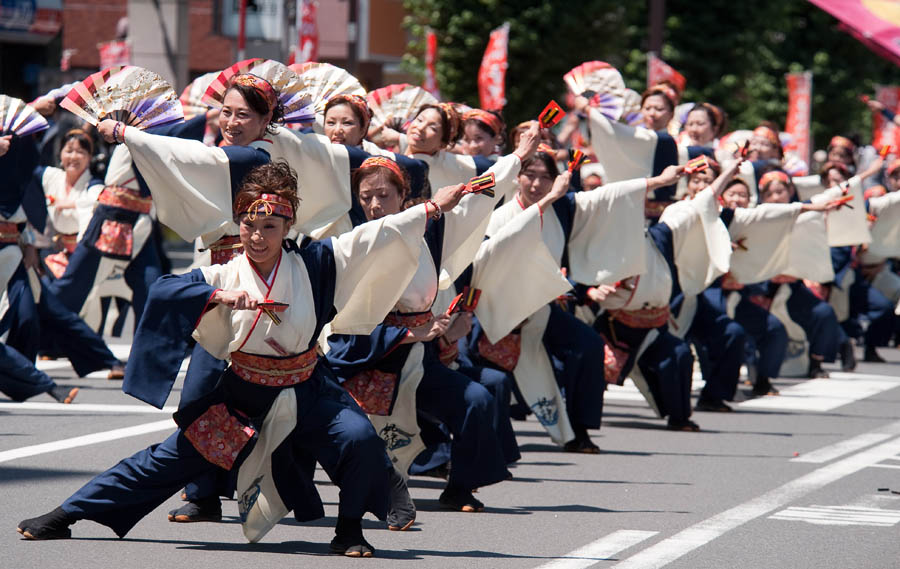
x,y
113,53
492,74
874,23
307,48
799,115
431,84
658,70
885,132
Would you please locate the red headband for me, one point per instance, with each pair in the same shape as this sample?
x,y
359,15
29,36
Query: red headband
x,y
270,204
490,119
843,142
666,91
358,102
768,134
774,175
383,162
261,86
452,119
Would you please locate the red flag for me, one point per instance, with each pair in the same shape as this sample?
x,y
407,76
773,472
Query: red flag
x,y
658,70
431,84
492,75
799,113
885,132
114,53
307,48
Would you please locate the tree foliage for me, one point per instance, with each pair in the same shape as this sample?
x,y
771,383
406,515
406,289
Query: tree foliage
x,y
733,54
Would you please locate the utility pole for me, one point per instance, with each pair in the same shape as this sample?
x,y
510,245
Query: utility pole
x,y
655,25
352,37
160,37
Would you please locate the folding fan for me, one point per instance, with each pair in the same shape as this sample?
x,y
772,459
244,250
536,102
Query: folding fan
x,y
298,104
322,81
134,95
594,77
611,105
631,110
192,96
18,118
395,105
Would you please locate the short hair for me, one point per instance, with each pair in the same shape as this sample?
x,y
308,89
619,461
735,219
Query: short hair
x,y
273,178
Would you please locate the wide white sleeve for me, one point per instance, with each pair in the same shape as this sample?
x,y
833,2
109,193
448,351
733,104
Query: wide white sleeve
x,y
763,237
810,255
701,244
374,264
626,152
607,240
189,181
847,225
516,275
886,229
808,186
465,225
323,176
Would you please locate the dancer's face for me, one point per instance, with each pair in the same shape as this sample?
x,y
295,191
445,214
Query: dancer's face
x,y
736,195
656,112
699,127
477,142
342,126
698,181
425,132
239,123
261,238
534,183
777,192
379,197
74,158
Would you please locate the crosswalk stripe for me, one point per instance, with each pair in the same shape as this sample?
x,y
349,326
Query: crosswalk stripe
x,y
824,394
831,452
83,408
599,550
839,515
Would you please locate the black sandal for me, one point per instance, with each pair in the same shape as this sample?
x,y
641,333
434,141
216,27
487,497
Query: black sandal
x,y
53,525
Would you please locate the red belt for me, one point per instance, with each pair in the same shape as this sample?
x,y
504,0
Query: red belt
x,y
9,232
408,319
643,318
274,371
225,249
125,198
68,241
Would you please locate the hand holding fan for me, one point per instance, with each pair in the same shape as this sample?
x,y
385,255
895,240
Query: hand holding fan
x,y
395,105
134,95
322,81
18,118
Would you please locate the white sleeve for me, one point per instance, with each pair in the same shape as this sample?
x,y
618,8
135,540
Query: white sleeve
x,y
763,237
810,255
515,254
886,229
846,225
374,263
607,240
626,152
189,181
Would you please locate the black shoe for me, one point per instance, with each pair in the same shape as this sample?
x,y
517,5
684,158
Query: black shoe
x,y
460,500
871,356
63,394
581,445
815,370
204,510
713,406
54,525
348,539
686,426
764,387
848,358
402,512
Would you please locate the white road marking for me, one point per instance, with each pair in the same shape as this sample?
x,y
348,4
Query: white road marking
x,y
83,407
839,516
701,533
95,438
839,449
600,550
823,394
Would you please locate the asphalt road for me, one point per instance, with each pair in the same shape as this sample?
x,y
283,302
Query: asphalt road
x,y
804,479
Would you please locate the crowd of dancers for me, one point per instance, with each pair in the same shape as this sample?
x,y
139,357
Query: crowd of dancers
x,y
382,293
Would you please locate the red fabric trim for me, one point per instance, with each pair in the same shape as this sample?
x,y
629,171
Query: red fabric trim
x,y
206,307
268,290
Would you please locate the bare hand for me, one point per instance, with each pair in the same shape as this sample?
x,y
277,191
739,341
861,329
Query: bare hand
x,y
448,196
528,141
106,128
45,106
559,189
5,141
435,327
669,176
600,293
236,299
581,103
460,327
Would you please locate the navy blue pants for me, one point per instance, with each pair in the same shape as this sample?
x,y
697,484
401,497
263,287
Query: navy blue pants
x,y
499,384
866,300
721,340
19,379
202,375
330,428
74,286
768,337
578,357
818,321
667,365
468,410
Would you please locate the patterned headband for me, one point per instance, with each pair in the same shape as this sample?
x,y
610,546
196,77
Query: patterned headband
x,y
843,142
768,134
774,175
383,162
270,204
490,119
666,91
357,102
261,86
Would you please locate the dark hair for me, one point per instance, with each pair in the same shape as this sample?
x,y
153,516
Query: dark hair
x,y
257,102
716,116
381,174
735,182
82,138
357,110
548,161
450,122
272,178
830,165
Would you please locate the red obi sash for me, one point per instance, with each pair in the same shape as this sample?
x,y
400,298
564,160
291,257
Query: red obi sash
x,y
68,241
219,436
614,360
274,371
408,319
125,198
643,318
225,249
9,232
373,390
504,353
654,208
